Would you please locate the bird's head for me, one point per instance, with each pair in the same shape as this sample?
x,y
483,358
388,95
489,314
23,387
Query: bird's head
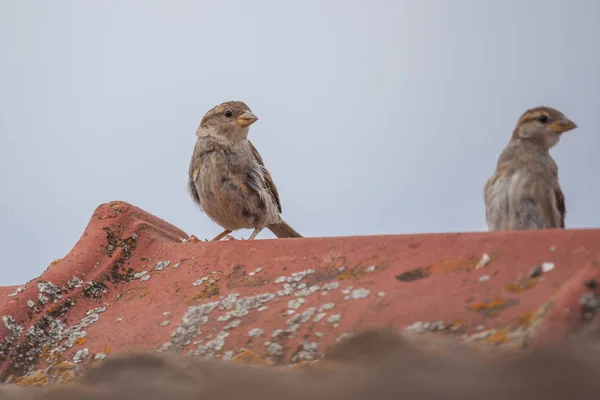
x,y
543,126
231,120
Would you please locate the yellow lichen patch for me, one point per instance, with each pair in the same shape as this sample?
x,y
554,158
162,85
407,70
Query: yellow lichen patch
x,y
521,286
457,324
453,265
493,307
490,305
208,290
352,274
527,319
49,356
361,269
80,342
499,337
34,379
248,357
133,294
53,263
106,350
65,372
307,363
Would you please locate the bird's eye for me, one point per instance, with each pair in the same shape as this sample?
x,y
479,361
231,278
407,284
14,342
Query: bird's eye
x,y
543,119
228,113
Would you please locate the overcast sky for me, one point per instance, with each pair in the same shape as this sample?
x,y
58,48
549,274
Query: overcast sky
x,y
376,117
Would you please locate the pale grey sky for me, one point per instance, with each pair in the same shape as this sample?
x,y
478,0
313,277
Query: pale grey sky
x,y
376,117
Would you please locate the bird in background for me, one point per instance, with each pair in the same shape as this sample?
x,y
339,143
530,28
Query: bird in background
x,y
524,192
228,178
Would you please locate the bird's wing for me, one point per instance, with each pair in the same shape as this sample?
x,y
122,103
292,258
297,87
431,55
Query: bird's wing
x,y
560,204
270,185
541,204
496,200
193,174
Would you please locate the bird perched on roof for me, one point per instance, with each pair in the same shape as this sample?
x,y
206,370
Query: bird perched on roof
x,y
228,178
523,192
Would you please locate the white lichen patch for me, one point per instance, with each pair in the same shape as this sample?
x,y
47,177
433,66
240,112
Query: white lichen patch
x,y
96,310
17,291
422,327
192,321
49,336
485,259
547,266
343,336
75,282
228,355
381,294
280,279
210,349
162,265
484,278
140,274
330,286
99,356
81,355
200,281
255,332
176,265
245,303
309,351
224,317
239,313
296,303
145,278
347,290
165,322
293,323
307,291
319,317
360,293
371,268
326,306
274,349
298,276
233,324
263,308
334,319
277,333
50,290
30,303
256,271
43,299
286,291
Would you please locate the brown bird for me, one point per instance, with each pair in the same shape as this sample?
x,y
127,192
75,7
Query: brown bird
x,y
523,192
228,178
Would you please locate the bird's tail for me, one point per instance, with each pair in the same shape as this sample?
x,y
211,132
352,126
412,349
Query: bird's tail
x,y
283,230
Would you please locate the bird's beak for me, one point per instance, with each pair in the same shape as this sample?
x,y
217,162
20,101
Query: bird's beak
x,y
246,119
562,125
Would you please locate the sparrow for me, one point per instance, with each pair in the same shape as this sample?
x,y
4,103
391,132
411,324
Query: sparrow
x,y
228,178
524,192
